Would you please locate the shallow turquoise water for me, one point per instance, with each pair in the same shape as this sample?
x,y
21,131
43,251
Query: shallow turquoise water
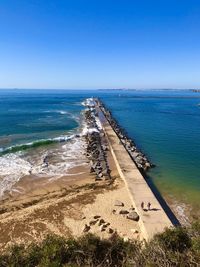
x,y
167,129
164,124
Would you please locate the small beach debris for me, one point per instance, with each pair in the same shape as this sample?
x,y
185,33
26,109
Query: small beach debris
x,y
86,228
134,231
119,203
132,208
133,216
113,211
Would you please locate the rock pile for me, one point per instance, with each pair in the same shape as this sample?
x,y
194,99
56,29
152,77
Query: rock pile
x,y
138,157
100,223
130,214
96,146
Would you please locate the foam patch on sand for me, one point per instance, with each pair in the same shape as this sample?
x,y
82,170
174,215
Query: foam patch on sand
x,y
52,163
12,168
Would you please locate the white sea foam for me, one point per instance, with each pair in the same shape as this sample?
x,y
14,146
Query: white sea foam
x,y
89,102
12,168
62,112
87,130
60,159
65,112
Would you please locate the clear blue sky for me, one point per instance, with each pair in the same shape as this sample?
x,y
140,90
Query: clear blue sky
x,y
100,43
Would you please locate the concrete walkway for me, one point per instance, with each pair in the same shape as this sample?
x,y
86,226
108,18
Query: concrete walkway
x,y
150,222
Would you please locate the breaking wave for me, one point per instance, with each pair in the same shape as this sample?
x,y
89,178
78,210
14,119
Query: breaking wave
x,y
15,164
35,144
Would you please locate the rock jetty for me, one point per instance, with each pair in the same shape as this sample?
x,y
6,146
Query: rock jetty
x,y
97,147
137,156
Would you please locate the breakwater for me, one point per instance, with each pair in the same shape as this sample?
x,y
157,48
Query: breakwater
x,y
152,217
137,156
97,147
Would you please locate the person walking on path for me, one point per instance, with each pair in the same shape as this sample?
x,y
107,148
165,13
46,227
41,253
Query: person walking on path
x,y
149,205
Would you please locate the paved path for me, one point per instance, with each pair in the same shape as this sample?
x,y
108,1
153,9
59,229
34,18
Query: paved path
x,y
153,221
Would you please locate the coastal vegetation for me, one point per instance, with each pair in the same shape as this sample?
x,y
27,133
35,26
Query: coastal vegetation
x,y
174,247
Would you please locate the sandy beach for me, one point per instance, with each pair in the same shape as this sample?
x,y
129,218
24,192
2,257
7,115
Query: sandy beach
x,y
64,206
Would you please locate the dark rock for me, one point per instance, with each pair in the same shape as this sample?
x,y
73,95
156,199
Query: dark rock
x,y
119,203
123,212
97,217
93,222
110,231
133,216
101,221
86,228
102,228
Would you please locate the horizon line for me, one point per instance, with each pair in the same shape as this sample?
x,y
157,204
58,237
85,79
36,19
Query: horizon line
x,y
29,88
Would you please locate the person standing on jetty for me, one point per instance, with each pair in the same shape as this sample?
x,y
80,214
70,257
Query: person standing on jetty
x,y
149,205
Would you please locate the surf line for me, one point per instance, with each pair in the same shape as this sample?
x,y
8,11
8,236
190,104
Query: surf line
x,y
153,218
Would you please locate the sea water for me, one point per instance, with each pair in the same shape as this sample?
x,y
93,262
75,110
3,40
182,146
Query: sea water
x,y
165,125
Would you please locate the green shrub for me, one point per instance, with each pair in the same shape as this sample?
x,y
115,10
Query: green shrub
x,y
174,247
176,239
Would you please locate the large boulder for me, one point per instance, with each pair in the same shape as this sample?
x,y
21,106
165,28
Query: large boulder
x,y
133,216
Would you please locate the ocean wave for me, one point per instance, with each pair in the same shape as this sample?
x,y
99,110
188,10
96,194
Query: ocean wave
x,y
62,112
45,142
15,166
53,162
70,115
35,144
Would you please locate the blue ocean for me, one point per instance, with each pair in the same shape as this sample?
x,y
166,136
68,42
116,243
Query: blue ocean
x,y
165,125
